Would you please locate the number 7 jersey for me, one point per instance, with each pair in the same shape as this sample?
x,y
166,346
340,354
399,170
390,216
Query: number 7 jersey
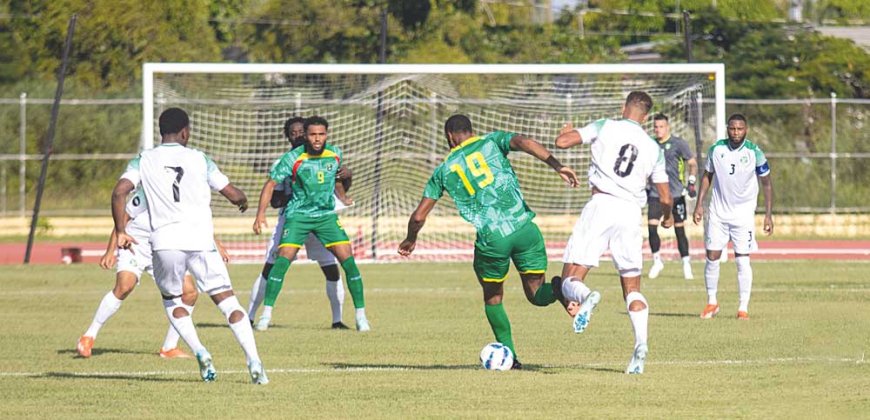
x,y
479,177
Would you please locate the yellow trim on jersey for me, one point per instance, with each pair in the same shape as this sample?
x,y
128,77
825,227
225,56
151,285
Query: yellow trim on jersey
x,y
293,245
335,243
325,154
466,143
533,272
489,280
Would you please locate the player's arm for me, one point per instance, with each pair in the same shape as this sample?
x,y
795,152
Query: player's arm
x,y
568,137
343,177
692,166
265,198
415,223
108,259
222,250
532,147
767,187
122,189
666,203
235,196
706,181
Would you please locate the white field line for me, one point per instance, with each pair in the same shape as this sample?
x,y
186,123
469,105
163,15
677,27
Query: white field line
x,y
364,369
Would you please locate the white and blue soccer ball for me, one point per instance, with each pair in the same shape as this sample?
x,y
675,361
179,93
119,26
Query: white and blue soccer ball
x,y
496,356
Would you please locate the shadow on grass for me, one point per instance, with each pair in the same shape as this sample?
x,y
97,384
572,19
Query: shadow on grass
x,y
101,351
109,376
399,367
673,315
218,325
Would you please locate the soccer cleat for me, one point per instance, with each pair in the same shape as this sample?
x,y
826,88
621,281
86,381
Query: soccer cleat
x,y
581,320
517,365
710,311
263,323
339,326
84,346
656,269
206,367
635,366
687,272
175,353
743,315
362,324
258,374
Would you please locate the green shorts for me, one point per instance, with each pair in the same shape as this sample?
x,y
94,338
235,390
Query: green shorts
x,y
327,228
525,247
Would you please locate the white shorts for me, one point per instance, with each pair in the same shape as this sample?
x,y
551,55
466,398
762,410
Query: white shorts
x,y
206,266
607,222
136,260
741,233
314,249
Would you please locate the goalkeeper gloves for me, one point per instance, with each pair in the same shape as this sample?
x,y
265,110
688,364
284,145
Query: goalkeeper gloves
x,y
693,192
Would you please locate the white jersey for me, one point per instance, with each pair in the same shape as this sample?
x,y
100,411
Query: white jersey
x,y
623,159
735,185
177,182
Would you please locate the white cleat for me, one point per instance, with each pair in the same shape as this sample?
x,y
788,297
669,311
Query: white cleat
x,y
581,320
656,269
263,323
362,324
258,374
687,272
635,366
206,367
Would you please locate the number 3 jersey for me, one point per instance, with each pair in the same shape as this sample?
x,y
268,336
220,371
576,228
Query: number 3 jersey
x,y
735,186
479,177
624,157
177,182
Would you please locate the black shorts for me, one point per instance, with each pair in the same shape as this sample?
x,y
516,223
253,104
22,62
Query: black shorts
x,y
655,209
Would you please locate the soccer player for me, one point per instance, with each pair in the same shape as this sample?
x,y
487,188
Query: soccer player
x,y
312,169
479,177
624,157
177,181
678,158
294,132
734,167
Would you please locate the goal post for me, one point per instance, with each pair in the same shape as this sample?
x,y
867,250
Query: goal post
x,y
388,119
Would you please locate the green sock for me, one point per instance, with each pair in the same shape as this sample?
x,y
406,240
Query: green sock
x,y
501,325
276,280
354,282
544,296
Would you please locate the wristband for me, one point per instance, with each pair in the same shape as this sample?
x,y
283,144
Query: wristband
x,y
554,163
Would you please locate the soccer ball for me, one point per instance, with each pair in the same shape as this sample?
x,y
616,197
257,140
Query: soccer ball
x,y
496,356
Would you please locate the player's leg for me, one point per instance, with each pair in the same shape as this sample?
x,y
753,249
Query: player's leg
x,y
293,236
125,282
170,349
491,265
334,286
638,314
335,239
258,289
743,237
529,254
716,239
679,213
588,242
626,247
654,215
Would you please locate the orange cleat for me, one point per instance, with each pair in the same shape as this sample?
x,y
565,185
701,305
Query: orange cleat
x,y
84,346
175,353
710,311
743,315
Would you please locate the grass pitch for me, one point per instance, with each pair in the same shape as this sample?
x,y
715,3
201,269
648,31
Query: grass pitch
x,y
801,355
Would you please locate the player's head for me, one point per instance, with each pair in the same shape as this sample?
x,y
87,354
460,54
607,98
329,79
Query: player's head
x,y
294,130
637,106
174,125
661,126
457,128
737,128
315,133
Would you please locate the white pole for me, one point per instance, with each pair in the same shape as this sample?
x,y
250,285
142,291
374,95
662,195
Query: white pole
x,y
22,147
298,103
721,131
833,152
147,141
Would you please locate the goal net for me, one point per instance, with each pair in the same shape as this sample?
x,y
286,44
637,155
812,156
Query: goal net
x,y
388,120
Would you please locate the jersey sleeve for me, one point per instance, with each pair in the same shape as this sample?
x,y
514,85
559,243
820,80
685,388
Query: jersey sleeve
x,y
708,164
684,151
435,187
502,140
659,175
762,167
131,172
216,179
589,132
137,205
282,168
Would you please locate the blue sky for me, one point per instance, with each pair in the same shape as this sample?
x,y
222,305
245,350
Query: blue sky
x,y
559,4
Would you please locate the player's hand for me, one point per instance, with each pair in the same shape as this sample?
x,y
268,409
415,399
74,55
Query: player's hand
x,y
693,190
223,251
407,247
343,173
567,174
667,223
260,223
125,241
566,128
346,200
768,225
698,215
108,260
243,206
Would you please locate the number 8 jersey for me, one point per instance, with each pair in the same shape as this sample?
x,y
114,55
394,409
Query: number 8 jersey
x,y
623,158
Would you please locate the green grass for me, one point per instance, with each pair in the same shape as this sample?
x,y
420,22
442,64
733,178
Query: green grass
x,y
801,355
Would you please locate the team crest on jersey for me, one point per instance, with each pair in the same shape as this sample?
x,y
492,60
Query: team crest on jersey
x,y
744,159
668,146
330,166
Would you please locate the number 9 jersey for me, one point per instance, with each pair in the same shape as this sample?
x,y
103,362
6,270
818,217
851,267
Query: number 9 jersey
x,y
624,157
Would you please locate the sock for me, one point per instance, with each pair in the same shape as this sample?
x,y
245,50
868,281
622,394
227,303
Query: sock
x,y
267,312
711,278
639,319
354,282
544,295
744,281
241,329
576,291
276,280
360,313
501,326
657,258
655,242
258,292
682,241
108,306
335,293
687,260
171,340
183,325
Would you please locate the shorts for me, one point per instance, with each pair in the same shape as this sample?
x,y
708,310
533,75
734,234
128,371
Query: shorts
x,y
717,233
326,228
525,247
313,247
206,266
654,212
607,222
136,260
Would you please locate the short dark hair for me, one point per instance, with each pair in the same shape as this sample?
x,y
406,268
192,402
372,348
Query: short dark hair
x,y
458,123
290,121
173,120
737,117
316,120
640,100
660,117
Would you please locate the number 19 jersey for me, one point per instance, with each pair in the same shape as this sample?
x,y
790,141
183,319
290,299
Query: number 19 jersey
x,y
623,159
479,177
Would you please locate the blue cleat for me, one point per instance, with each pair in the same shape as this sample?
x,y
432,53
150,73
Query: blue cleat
x,y
206,368
635,366
581,320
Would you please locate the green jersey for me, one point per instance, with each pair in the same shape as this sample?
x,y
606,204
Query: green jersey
x,y
312,180
478,176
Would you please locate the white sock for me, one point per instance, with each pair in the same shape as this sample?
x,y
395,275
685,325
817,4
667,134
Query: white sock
x,y
656,257
361,313
711,278
108,306
184,325
639,319
241,329
575,290
258,292
335,292
744,281
267,312
171,340
686,260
